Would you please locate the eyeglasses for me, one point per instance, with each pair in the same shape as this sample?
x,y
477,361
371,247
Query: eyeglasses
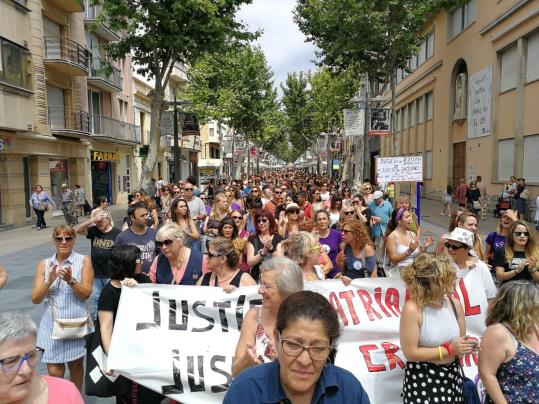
x,y
454,246
348,213
267,286
13,364
278,192
211,255
295,349
317,193
167,242
203,198
367,188
263,220
188,189
521,233
355,202
63,239
236,218
293,211
346,231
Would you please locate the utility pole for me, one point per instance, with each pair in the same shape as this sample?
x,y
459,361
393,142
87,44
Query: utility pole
x,y
177,147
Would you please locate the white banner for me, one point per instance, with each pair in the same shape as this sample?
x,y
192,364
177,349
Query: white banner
x,y
180,340
354,122
479,103
399,169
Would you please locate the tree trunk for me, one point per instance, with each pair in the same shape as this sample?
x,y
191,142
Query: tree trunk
x,y
155,133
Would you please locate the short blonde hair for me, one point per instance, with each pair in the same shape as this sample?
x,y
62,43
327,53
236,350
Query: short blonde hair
x,y
98,211
171,230
429,278
300,245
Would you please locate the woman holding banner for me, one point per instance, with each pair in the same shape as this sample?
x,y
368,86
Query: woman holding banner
x,y
305,338
279,278
432,333
509,356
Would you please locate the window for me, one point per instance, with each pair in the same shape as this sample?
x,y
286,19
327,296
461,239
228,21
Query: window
x,y
405,117
13,64
532,69
422,55
430,45
412,108
506,150
421,110
398,120
430,106
509,69
531,151
461,18
428,165
212,132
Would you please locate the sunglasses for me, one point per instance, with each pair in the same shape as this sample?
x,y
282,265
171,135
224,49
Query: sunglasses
x,y
64,239
454,246
278,192
349,213
262,220
355,202
346,231
188,189
236,218
521,233
211,255
293,211
167,242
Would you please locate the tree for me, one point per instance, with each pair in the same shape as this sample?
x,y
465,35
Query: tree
x,y
378,36
159,34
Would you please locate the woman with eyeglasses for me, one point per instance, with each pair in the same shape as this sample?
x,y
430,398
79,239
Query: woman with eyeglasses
x,y
222,263
304,249
219,211
65,282
234,198
19,358
348,213
329,239
316,201
357,259
180,215
346,194
509,355
252,204
176,264
335,207
166,200
363,212
279,278
263,243
402,245
305,336
432,332
519,259
496,240
366,192
290,220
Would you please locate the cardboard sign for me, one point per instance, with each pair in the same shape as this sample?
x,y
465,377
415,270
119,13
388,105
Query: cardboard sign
x,y
399,169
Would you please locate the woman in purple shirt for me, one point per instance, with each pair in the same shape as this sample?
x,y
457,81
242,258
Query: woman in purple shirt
x,y
329,239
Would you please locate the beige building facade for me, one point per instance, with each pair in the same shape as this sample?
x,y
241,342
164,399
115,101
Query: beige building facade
x,y
469,106
63,118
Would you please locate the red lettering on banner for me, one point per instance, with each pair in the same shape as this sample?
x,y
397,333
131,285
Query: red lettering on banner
x,y
391,350
392,301
333,299
366,299
468,309
348,295
364,349
378,298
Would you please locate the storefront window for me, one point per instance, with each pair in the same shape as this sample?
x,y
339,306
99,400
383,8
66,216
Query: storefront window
x,y
59,175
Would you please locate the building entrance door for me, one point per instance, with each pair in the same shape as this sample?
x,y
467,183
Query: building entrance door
x,y
102,180
27,190
459,163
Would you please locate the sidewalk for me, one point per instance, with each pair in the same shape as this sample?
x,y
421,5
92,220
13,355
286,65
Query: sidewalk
x,y
20,238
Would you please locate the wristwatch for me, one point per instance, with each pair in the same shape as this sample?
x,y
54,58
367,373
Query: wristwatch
x,y
262,253
71,282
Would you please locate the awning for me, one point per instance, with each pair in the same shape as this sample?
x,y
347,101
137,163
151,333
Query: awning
x,y
209,163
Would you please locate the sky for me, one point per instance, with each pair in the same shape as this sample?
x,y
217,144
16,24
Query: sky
x,y
282,41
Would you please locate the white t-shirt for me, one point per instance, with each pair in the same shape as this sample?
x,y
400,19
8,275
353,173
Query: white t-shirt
x,y
325,196
481,275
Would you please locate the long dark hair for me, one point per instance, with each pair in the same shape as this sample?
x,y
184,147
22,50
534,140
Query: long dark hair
x,y
173,208
228,220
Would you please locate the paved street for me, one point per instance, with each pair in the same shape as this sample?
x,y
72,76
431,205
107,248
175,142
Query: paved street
x,y
22,248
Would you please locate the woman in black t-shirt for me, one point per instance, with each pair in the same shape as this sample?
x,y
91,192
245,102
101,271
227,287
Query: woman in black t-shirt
x,y
520,258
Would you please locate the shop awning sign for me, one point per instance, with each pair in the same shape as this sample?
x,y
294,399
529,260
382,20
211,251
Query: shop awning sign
x,y
104,156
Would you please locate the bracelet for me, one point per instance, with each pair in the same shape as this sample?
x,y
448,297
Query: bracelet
x,y
447,346
260,252
71,282
440,354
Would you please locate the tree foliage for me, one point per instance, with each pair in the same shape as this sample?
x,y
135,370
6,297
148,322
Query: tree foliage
x,y
158,34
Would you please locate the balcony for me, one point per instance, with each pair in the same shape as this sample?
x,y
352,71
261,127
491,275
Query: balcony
x,y
71,6
103,76
65,56
114,131
68,122
91,13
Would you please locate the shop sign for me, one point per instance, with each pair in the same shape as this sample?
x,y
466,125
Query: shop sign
x,y
105,156
5,144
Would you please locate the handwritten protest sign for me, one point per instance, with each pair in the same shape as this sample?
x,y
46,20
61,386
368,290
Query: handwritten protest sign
x,y
479,103
180,340
400,169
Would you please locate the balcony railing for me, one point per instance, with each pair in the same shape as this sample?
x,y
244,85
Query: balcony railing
x,y
66,119
100,69
115,129
67,50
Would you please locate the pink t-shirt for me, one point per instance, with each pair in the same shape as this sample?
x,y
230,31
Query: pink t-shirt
x,y
62,391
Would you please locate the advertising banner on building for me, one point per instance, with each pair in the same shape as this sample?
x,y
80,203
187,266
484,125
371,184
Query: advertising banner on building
x,y
479,103
180,340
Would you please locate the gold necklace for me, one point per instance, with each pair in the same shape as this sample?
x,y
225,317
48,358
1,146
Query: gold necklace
x,y
227,279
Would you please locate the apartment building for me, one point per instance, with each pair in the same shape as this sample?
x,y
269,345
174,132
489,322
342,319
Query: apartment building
x,y
469,106
64,116
212,155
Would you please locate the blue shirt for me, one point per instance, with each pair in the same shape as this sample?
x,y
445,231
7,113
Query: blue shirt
x,y
384,213
261,384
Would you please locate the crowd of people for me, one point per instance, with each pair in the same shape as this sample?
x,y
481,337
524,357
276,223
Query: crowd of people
x,y
279,230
